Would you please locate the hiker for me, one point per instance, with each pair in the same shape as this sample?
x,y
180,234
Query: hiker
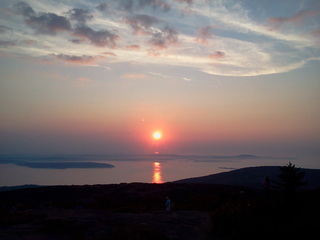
x,y
168,205
266,185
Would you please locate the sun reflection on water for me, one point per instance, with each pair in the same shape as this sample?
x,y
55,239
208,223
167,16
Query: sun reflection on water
x,y
157,178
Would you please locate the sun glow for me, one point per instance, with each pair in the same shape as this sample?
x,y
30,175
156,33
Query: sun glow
x,y
157,135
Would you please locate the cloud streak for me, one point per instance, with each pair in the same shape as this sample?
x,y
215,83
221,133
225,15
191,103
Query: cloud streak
x,y
73,59
217,54
295,19
134,76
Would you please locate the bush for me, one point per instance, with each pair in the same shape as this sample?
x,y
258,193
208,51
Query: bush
x,y
290,179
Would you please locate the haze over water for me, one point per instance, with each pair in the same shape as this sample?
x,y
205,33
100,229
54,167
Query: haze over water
x,y
147,169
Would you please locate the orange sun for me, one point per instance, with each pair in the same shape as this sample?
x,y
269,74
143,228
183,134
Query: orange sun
x,y
157,135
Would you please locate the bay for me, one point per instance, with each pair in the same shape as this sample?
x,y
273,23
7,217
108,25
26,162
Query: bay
x,y
126,171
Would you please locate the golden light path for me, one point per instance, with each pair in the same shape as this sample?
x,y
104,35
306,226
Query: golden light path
x,y
157,178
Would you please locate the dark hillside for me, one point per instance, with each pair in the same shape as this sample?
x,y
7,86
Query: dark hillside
x,y
252,177
136,211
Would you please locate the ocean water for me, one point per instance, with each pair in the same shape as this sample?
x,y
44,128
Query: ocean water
x,y
147,169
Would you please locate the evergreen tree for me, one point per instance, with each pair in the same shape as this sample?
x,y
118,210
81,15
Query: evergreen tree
x,y
290,178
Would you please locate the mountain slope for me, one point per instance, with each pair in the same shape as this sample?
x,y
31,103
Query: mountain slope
x,y
252,177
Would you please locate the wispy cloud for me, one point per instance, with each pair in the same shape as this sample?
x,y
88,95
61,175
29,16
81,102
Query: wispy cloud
x,y
132,5
133,47
204,33
134,76
73,59
217,54
295,19
159,75
4,43
83,81
216,37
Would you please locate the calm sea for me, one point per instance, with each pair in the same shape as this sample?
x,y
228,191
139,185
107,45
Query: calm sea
x,y
145,170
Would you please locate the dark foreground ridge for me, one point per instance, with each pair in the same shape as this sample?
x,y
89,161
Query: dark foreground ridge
x,y
136,211
253,176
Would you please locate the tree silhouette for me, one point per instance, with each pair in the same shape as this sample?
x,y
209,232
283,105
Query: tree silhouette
x,y
290,178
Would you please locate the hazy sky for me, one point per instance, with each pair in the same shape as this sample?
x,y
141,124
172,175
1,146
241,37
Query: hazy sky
x,y
216,77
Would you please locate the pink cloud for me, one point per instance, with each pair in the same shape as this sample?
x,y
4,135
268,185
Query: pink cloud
x,y
295,19
133,47
109,54
203,34
134,76
83,80
153,53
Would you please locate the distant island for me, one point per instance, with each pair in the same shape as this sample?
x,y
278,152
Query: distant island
x,y
63,161
63,165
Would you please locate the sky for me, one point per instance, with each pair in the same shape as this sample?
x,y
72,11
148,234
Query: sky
x,y
214,77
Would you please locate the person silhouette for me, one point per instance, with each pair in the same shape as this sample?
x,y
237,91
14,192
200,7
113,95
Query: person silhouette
x,y
266,185
168,205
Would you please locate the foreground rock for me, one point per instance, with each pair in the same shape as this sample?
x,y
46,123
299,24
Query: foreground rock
x,y
96,224
124,211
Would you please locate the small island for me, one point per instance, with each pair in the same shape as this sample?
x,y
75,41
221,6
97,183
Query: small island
x,y
63,165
